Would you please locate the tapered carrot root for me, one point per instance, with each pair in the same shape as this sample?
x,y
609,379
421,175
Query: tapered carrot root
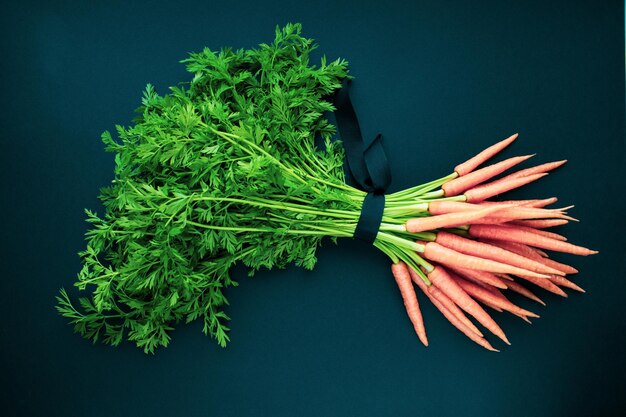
x,y
516,213
434,293
471,164
441,254
525,213
547,285
493,252
462,327
526,203
539,252
560,266
465,182
520,289
449,220
541,223
491,306
442,280
484,277
539,169
445,207
529,252
401,274
493,298
545,233
521,236
564,282
483,192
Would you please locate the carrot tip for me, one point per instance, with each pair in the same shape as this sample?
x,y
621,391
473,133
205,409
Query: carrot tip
x,y
530,314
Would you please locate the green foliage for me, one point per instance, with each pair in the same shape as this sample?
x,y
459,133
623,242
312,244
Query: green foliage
x,y
223,169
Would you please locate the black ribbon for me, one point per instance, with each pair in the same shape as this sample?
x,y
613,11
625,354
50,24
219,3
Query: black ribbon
x,y
366,164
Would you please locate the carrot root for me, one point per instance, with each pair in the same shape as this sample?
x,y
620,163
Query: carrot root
x,y
471,164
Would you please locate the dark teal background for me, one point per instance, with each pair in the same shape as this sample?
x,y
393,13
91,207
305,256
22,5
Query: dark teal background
x,y
441,80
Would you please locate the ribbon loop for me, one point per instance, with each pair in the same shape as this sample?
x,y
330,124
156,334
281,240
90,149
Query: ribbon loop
x,y
366,164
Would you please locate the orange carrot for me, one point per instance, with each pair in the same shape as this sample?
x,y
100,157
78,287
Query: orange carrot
x,y
491,306
486,278
498,300
471,164
465,182
540,223
448,220
513,234
462,327
539,252
401,273
520,289
516,213
493,252
521,212
440,279
441,254
539,169
445,207
547,285
433,292
526,203
519,248
545,233
483,192
529,252
560,266
564,282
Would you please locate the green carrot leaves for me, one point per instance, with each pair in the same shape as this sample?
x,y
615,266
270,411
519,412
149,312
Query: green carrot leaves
x,y
212,174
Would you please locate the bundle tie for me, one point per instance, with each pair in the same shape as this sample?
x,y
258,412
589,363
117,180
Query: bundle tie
x,y
366,166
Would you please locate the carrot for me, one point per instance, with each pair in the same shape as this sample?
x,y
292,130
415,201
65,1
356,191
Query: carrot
x,y
500,300
471,164
462,327
539,169
540,223
545,233
529,252
483,192
564,282
491,306
547,285
465,182
526,203
505,277
519,248
441,254
539,252
445,207
520,289
442,280
433,292
487,278
521,212
560,266
493,252
401,273
513,234
448,220
516,213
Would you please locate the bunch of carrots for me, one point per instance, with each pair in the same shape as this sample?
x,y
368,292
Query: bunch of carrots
x,y
479,249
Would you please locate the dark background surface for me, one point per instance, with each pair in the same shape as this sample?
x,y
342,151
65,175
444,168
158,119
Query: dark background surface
x,y
441,80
